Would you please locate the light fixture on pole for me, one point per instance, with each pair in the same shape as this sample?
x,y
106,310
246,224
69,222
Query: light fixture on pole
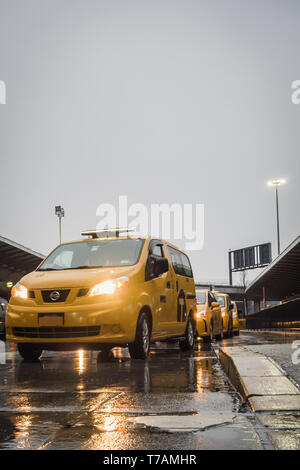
x,y
60,212
277,183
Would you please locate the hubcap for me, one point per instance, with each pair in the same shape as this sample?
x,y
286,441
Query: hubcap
x,y
190,334
145,336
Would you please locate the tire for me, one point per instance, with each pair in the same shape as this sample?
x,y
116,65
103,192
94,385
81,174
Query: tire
x,y
187,344
220,336
236,333
30,352
139,349
210,337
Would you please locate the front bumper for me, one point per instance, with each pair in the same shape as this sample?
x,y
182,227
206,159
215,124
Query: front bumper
x,y
116,320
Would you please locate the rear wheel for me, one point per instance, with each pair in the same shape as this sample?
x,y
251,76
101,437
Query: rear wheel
x,y
139,349
30,352
188,343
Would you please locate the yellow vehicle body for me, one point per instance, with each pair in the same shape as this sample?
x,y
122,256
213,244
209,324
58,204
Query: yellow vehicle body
x,y
235,319
168,300
226,309
208,316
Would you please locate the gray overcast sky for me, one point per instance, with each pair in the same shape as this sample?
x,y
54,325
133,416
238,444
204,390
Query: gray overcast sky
x,y
164,101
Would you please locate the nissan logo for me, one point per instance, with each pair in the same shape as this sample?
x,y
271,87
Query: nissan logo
x,y
55,295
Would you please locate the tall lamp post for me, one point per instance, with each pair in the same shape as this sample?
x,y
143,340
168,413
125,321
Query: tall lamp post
x,y
277,183
60,212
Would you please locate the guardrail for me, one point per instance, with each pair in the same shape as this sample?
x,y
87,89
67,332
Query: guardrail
x,y
286,315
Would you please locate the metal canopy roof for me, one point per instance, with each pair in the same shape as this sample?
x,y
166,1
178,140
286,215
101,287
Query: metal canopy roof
x,y
15,258
281,279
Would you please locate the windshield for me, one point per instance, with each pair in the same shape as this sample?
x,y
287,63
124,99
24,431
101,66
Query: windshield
x,y
220,300
201,297
94,254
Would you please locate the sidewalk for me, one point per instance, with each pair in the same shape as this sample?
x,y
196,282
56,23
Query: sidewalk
x,y
267,378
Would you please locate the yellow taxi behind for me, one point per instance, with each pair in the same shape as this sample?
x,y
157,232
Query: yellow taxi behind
x,y
208,316
226,309
235,319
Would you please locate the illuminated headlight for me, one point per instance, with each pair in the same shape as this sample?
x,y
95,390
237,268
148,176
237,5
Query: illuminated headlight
x,y
200,314
223,314
234,315
19,291
110,287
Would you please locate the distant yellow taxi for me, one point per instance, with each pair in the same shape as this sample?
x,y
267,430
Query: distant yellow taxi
x,y
226,309
104,291
208,317
235,319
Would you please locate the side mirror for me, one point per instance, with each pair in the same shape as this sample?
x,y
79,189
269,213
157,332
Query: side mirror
x,y
230,307
161,265
215,304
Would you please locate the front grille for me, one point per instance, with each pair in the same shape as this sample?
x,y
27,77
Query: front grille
x,y
57,332
63,294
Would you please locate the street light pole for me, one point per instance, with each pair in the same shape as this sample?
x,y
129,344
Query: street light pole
x,y
277,183
277,217
60,212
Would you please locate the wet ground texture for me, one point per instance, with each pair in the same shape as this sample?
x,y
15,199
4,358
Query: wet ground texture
x,y
174,400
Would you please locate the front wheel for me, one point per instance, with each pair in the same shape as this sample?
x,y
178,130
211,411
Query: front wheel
x,y
236,333
30,352
139,349
187,343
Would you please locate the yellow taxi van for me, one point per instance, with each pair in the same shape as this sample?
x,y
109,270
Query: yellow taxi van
x,y
209,324
109,289
226,309
235,319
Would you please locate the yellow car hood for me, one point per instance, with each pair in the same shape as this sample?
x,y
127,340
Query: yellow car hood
x,y
72,278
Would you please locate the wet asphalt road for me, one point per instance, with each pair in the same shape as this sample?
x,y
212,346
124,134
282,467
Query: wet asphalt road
x,y
71,400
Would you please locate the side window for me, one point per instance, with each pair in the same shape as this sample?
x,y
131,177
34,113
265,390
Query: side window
x,y
180,262
210,299
186,265
157,250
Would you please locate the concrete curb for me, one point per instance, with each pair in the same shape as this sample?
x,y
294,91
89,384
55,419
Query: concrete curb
x,y
259,380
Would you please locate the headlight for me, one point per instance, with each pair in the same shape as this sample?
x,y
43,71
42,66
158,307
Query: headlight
x,y
234,315
223,314
19,291
199,314
110,287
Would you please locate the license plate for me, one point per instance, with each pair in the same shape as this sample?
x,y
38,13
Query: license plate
x,y
51,319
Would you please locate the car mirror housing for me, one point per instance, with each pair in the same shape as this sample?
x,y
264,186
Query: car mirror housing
x,y
161,266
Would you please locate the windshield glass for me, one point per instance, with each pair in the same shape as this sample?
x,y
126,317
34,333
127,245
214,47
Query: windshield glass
x,y
220,300
201,297
94,254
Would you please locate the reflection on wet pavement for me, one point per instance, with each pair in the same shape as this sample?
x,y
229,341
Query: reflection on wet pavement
x,y
71,400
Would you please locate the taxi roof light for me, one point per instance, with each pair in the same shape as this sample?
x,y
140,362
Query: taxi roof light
x,y
106,232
